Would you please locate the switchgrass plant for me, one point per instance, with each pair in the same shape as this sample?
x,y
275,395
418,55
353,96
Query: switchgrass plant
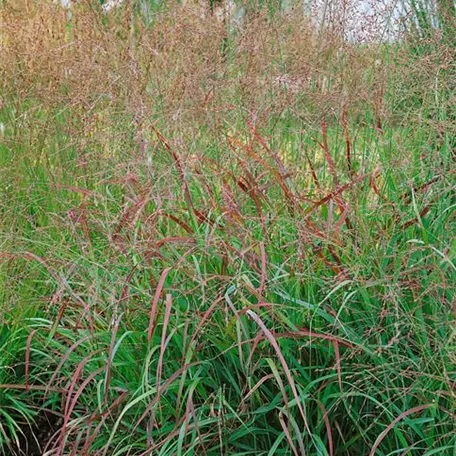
x,y
222,241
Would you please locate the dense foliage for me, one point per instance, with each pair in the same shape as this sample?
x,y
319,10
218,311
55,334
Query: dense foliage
x,y
224,238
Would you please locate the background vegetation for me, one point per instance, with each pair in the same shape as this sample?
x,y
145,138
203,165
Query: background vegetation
x,y
225,237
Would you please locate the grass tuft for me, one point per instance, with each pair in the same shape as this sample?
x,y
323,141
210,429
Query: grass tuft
x,y
224,236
